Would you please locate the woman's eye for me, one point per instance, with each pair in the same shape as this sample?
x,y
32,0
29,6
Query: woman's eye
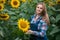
x,y
41,8
37,7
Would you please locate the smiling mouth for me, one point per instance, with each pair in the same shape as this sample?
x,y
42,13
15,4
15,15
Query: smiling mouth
x,y
38,10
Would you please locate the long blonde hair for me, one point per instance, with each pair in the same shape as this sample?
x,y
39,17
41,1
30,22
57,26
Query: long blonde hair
x,y
44,13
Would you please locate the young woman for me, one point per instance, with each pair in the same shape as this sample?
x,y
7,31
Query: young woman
x,y
39,23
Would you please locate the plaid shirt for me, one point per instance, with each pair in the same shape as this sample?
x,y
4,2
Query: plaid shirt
x,y
39,27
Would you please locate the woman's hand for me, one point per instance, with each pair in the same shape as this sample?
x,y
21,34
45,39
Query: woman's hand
x,y
29,32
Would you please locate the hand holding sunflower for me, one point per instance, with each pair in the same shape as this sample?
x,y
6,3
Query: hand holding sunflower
x,y
29,32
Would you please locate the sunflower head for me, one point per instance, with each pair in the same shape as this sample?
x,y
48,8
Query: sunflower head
x,y
46,1
51,3
1,7
3,1
23,25
23,0
58,2
15,3
29,1
4,16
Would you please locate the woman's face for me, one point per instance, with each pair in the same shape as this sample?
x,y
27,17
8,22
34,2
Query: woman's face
x,y
39,9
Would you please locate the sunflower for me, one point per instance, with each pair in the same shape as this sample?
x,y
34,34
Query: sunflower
x,y
23,0
29,1
57,1
51,3
1,7
3,1
15,3
23,25
4,16
46,1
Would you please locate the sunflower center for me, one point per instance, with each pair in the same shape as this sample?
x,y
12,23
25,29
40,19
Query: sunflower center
x,y
23,25
0,7
15,2
3,16
59,2
2,1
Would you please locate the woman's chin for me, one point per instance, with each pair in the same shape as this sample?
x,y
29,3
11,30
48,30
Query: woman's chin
x,y
38,13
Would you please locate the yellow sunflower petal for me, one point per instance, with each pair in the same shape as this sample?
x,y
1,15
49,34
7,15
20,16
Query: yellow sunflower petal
x,y
51,3
15,3
1,7
23,0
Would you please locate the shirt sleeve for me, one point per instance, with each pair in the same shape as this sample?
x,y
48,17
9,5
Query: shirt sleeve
x,y
43,29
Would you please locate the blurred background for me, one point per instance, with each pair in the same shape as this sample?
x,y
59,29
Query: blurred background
x,y
12,10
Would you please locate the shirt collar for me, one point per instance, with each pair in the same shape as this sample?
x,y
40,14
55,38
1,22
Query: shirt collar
x,y
39,17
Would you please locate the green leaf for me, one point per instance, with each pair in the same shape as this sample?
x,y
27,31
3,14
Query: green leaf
x,y
58,37
35,1
52,19
17,11
1,33
18,38
57,18
14,23
23,15
41,0
13,17
5,10
11,13
55,30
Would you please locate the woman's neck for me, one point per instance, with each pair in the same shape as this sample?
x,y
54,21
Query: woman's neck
x,y
38,15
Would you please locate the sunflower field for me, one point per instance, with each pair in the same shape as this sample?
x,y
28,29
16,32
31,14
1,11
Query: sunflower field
x,y
14,15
